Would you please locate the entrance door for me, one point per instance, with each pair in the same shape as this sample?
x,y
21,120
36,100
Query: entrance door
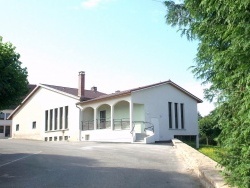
x,y
7,131
103,119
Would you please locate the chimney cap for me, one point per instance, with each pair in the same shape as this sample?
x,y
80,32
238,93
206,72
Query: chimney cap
x,y
81,72
94,88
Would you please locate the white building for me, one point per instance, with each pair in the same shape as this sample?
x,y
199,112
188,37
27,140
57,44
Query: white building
x,y
49,112
5,123
156,112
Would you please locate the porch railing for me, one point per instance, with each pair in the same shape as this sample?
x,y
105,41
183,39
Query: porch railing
x,y
88,125
103,123
121,124
118,124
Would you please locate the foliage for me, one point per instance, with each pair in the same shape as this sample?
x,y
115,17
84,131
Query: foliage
x,y
208,128
13,78
223,31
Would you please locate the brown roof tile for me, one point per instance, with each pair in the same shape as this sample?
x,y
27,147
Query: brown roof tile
x,y
89,94
126,92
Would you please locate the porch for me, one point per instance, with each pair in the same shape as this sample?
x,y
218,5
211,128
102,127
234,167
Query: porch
x,y
119,121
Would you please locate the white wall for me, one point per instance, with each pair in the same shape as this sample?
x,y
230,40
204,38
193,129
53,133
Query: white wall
x,y
155,102
5,122
34,110
121,110
107,135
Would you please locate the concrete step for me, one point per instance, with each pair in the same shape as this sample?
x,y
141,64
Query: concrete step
x,y
139,137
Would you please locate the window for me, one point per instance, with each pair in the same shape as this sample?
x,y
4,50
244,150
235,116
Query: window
x,y
33,124
61,118
1,116
176,115
182,115
7,115
66,117
17,127
170,115
1,129
51,120
55,119
46,120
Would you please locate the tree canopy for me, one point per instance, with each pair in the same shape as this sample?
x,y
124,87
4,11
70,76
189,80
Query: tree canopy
x,y
222,60
13,78
208,128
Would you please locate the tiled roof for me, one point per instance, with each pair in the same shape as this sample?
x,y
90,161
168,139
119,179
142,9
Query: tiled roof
x,y
127,92
89,94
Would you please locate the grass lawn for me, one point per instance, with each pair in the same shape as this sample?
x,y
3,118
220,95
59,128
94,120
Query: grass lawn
x,y
211,151
208,150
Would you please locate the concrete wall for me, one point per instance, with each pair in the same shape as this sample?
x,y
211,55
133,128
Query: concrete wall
x,y
107,135
155,102
34,111
206,169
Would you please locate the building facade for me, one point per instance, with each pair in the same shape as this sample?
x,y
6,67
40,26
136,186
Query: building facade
x,y
156,112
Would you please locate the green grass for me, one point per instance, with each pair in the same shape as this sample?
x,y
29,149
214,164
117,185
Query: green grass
x,y
211,152
208,150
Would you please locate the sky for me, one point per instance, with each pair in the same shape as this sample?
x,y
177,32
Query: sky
x,y
120,44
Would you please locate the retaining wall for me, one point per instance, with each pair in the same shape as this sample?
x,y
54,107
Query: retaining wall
x,y
207,169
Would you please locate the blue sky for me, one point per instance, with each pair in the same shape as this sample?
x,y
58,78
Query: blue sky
x,y
120,44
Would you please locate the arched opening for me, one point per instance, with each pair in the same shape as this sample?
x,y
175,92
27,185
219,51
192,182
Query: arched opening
x,y
121,115
88,119
103,117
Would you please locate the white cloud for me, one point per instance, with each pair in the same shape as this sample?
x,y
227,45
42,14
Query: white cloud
x,y
91,3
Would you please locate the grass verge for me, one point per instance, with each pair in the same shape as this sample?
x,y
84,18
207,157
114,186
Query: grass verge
x,y
208,150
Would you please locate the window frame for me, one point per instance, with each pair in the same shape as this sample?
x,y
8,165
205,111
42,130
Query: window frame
x,y
17,127
2,128
34,125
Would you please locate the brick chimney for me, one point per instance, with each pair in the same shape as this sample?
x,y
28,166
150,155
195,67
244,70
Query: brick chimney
x,y
81,84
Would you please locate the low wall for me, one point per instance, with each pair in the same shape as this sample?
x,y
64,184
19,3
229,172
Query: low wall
x,y
207,169
107,135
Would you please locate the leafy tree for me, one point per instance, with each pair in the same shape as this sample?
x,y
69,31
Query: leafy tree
x,y
208,128
13,78
223,60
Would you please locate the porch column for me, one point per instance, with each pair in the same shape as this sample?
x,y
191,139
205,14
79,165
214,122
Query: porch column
x,y
131,114
95,116
81,123
197,141
112,117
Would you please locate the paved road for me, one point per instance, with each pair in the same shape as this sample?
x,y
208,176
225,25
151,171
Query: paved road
x,y
37,164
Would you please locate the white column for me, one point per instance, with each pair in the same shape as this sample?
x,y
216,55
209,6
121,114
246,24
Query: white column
x,y
112,117
197,141
95,116
81,123
131,114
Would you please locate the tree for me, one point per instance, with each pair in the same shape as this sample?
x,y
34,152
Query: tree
x,y
223,60
13,78
208,128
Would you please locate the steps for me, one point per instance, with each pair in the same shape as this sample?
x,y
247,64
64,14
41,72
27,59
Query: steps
x,y
139,137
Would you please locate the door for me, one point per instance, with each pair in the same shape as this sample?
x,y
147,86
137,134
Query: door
x,y
103,119
7,131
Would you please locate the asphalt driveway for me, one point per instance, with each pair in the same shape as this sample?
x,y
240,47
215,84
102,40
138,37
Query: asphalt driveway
x,y
26,163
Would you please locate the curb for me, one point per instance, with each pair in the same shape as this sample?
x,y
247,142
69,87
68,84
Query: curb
x,y
205,168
